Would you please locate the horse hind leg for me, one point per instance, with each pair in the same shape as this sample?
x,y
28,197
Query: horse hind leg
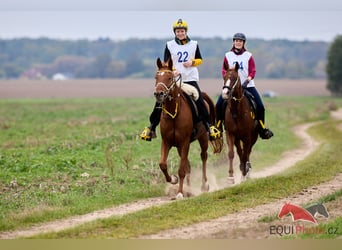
x,y
231,141
187,189
231,179
204,158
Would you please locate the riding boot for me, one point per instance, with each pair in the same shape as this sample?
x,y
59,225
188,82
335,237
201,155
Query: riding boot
x,y
264,132
214,133
220,109
149,132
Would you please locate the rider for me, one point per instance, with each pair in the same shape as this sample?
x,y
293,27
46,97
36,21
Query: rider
x,y
239,54
186,56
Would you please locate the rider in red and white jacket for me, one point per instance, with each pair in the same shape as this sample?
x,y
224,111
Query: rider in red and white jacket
x,y
239,54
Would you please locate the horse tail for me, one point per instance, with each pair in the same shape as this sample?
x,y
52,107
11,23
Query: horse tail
x,y
212,110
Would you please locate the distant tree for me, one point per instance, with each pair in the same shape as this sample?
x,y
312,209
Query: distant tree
x,y
11,70
100,66
334,66
134,65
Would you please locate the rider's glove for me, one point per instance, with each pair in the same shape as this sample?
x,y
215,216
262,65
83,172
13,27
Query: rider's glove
x,y
245,83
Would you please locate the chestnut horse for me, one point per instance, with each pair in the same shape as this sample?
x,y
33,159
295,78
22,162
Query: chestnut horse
x,y
176,126
240,126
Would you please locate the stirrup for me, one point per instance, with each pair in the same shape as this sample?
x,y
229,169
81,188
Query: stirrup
x,y
214,133
147,134
266,134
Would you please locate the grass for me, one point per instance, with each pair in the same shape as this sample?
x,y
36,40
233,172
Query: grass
x,y
212,205
49,147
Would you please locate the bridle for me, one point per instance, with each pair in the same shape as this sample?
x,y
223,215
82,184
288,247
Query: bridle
x,y
163,96
231,89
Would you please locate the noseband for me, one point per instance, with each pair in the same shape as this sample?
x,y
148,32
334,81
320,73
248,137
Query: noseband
x,y
231,90
161,97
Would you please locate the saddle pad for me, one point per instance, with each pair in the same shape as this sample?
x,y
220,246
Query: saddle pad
x,y
189,90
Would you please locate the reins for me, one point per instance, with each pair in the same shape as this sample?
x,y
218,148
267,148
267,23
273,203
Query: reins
x,y
230,96
167,93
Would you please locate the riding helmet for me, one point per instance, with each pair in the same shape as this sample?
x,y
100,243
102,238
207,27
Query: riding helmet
x,y
180,24
240,36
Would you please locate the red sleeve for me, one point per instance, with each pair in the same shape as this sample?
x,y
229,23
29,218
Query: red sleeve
x,y
225,66
251,67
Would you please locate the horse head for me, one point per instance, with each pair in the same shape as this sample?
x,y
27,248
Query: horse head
x,y
165,82
232,82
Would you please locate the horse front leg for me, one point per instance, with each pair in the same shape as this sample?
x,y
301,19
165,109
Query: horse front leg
x,y
165,149
230,142
184,168
241,151
246,168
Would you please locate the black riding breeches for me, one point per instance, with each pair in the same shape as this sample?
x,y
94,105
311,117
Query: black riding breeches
x,y
155,116
202,110
260,106
260,112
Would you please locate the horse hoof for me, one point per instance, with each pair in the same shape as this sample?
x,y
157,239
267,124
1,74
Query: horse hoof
x,y
230,180
248,170
174,179
205,187
243,178
189,194
179,196
248,174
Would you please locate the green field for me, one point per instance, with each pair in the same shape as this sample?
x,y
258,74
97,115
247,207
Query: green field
x,y
63,157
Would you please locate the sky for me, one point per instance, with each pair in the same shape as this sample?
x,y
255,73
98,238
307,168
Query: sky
x,y
119,20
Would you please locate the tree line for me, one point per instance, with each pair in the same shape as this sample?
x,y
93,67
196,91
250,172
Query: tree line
x,y
135,58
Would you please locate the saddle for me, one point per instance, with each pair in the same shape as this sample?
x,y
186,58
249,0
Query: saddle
x,y
192,95
252,102
195,115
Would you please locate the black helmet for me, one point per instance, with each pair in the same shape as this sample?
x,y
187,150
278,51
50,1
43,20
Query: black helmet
x,y
239,36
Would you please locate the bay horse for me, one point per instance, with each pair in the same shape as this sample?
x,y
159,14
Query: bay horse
x,y
241,128
176,126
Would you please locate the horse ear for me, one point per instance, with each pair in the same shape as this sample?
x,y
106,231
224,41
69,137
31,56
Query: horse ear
x,y
159,63
237,66
169,63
